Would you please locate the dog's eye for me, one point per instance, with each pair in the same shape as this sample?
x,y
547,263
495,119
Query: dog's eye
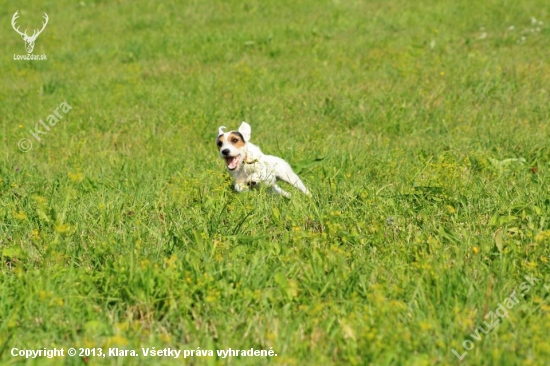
x,y
220,144
235,141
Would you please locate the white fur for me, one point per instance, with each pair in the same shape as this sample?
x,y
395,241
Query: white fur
x,y
254,168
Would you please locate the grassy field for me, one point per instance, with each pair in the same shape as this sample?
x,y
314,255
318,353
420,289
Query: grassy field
x,y
420,127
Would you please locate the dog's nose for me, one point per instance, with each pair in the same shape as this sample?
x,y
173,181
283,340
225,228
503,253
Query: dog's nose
x,y
225,151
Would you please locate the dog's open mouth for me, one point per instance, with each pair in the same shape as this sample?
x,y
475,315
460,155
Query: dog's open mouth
x,y
232,162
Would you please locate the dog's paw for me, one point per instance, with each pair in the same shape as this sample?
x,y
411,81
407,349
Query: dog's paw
x,y
239,187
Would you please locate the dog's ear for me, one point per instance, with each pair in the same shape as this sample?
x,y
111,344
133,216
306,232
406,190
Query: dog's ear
x,y
246,131
221,130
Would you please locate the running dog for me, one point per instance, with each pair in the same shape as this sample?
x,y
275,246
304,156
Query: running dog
x,y
249,167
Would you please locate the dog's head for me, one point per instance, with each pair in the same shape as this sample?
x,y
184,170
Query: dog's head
x,y
232,145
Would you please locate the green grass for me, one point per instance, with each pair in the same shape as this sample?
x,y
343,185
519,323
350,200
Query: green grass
x,y
421,129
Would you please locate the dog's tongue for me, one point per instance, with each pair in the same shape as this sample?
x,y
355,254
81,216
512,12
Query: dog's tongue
x,y
232,162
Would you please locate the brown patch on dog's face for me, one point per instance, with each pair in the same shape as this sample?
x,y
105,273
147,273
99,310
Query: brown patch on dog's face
x,y
236,139
220,141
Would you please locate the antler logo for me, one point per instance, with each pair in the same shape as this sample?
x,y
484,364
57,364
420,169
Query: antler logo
x,y
29,40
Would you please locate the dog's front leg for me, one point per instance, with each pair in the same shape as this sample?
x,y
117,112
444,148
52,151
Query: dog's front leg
x,y
253,180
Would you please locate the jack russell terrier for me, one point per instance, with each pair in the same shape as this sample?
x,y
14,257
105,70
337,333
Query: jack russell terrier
x,y
249,167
